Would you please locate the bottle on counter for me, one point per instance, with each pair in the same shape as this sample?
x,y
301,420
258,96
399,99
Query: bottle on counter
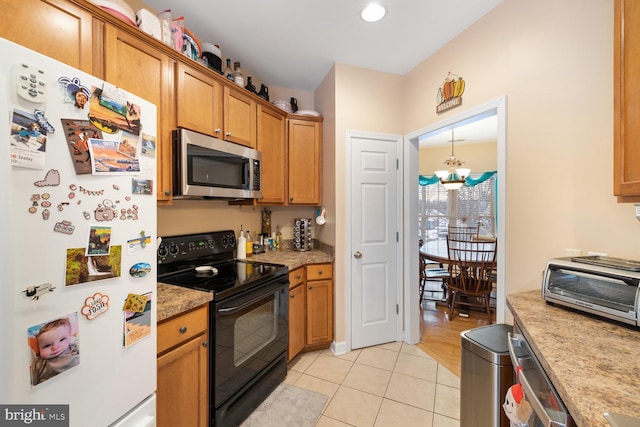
x,y
278,239
249,244
241,245
228,71
238,77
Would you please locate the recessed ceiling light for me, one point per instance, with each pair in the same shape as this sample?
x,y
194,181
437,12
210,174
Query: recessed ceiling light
x,y
373,13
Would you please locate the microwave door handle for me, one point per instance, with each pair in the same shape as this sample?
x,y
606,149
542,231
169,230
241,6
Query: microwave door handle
x,y
537,406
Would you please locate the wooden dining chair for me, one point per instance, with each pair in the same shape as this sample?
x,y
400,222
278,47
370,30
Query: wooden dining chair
x,y
471,266
432,271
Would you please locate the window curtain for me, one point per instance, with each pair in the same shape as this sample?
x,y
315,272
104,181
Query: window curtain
x,y
470,181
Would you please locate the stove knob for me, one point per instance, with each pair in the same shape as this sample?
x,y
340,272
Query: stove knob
x,y
224,241
173,249
162,251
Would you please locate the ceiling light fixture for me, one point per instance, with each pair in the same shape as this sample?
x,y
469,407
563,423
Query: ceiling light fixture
x,y
455,176
373,13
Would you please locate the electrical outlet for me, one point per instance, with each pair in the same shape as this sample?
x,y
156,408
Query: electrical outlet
x,y
573,252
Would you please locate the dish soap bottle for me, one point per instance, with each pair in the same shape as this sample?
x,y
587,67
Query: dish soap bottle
x,y
242,245
249,244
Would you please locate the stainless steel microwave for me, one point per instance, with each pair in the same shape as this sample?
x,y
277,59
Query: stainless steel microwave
x,y
207,167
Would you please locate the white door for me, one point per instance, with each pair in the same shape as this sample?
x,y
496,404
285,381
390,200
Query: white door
x,y
375,203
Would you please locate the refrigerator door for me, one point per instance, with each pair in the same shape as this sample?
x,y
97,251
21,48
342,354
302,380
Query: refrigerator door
x,y
78,227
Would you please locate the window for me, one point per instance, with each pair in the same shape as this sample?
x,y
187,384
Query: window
x,y
469,205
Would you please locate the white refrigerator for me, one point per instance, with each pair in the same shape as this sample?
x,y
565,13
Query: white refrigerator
x,y
78,231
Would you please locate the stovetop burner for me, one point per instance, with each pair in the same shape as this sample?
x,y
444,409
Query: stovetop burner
x,y
179,259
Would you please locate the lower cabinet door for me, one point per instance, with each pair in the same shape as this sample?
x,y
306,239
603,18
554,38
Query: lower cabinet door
x,y
296,321
183,398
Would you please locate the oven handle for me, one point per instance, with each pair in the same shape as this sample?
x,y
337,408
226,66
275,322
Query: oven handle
x,y
234,309
537,406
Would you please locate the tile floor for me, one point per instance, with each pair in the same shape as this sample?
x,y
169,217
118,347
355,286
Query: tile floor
x,y
394,384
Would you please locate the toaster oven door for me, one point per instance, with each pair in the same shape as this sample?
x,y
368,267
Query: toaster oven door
x,y
605,294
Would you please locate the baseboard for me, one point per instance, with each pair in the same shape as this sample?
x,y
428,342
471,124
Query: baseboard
x,y
339,348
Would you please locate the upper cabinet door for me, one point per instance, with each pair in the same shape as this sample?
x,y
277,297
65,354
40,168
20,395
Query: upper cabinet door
x,y
137,67
239,117
57,28
626,153
271,143
305,161
198,101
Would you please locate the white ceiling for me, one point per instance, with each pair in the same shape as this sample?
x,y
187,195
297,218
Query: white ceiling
x,y
294,43
482,128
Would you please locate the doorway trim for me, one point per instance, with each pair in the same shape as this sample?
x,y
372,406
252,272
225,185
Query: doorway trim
x,y
410,214
342,348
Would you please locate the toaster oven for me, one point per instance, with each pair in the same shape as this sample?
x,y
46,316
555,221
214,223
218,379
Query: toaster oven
x,y
603,286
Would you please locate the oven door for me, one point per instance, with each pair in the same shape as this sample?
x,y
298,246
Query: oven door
x,y
548,409
251,332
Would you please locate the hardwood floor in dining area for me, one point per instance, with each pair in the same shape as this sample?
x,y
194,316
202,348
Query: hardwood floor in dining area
x,y
440,337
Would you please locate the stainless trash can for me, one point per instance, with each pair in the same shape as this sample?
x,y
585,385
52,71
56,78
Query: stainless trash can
x,y
486,374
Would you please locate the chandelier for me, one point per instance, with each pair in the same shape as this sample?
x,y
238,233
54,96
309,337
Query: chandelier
x,y
455,175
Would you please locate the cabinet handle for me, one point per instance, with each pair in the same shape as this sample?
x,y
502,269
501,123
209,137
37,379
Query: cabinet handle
x,y
217,130
167,192
292,296
228,134
320,273
298,276
183,330
205,344
291,199
310,287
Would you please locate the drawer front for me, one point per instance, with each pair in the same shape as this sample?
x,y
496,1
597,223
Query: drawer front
x,y
182,328
319,271
296,277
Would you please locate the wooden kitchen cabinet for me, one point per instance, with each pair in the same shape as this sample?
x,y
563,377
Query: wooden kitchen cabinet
x,y
319,304
137,67
626,151
56,28
271,141
198,101
305,161
239,116
183,368
296,312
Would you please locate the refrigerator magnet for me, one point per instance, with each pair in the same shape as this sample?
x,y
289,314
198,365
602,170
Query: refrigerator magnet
x,y
140,269
51,179
95,305
135,303
75,93
36,291
64,227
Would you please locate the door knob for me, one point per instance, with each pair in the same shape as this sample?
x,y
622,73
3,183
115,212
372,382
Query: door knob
x,y
357,255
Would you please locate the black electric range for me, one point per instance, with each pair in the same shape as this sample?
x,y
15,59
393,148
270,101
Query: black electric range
x,y
206,262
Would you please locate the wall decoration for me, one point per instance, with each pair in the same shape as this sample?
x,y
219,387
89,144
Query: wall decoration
x,y
450,93
81,268
54,347
95,305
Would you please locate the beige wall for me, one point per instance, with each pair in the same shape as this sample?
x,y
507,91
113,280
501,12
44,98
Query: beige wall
x,y
477,157
553,62
353,99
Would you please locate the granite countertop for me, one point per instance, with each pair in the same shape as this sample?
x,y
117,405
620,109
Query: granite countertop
x,y
293,259
593,363
174,300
